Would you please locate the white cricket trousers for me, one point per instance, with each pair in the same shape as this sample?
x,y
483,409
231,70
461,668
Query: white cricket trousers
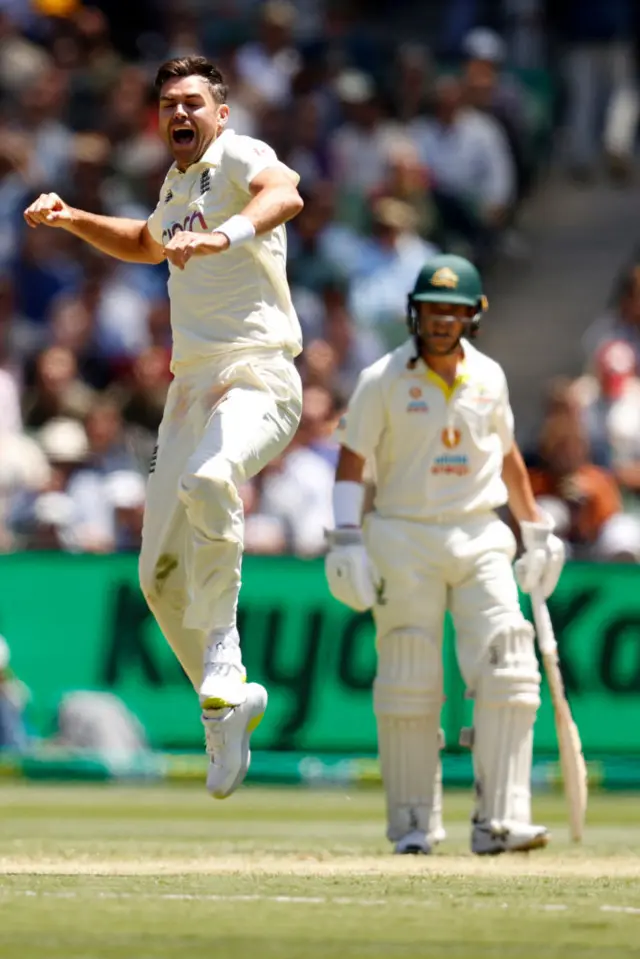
x,y
463,566
224,420
428,568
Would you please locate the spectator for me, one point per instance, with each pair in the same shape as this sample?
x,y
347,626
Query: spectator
x,y
72,326
411,81
269,64
488,89
40,113
297,487
470,165
393,257
582,498
598,59
359,148
309,154
57,389
108,450
622,321
125,492
611,409
350,349
407,179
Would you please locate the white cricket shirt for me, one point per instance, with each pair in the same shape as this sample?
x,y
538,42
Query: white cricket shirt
x,y
238,299
436,451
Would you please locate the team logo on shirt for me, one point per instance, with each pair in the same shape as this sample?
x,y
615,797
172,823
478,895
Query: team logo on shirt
x,y
205,181
168,196
416,404
445,277
451,438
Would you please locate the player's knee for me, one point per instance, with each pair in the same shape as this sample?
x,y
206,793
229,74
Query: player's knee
x,y
508,673
209,491
409,675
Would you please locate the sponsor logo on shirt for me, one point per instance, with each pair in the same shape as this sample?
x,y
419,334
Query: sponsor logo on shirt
x,y
452,465
187,226
416,404
483,396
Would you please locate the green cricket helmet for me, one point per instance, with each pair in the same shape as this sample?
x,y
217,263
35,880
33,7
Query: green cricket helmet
x,y
448,279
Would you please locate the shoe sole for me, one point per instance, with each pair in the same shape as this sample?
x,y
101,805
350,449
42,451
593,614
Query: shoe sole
x,y
252,725
538,842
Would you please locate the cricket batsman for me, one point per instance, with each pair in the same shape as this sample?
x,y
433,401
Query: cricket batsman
x,y
235,400
432,423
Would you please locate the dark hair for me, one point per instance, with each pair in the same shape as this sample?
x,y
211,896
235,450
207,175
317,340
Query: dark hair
x,y
192,67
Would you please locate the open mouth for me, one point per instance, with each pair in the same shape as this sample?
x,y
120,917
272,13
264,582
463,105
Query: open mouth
x,y
183,136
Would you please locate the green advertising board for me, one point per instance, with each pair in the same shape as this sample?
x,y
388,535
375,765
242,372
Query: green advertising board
x,y
81,622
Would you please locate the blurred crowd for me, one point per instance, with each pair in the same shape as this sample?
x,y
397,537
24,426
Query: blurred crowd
x,y
585,467
404,148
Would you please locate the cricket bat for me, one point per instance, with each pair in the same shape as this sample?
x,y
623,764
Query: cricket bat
x,y
572,764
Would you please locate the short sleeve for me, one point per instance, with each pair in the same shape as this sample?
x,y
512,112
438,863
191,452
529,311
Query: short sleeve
x,y
245,157
503,423
362,425
154,222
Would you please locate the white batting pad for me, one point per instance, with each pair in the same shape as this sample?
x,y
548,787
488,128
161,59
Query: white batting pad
x,y
407,702
506,701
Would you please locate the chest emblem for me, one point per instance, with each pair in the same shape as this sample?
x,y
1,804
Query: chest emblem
x,y
451,438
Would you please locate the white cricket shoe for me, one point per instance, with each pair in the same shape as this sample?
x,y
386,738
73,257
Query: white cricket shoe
x,y
227,733
436,836
492,838
223,675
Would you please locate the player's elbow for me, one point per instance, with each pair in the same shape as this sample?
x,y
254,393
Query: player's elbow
x,y
150,251
295,203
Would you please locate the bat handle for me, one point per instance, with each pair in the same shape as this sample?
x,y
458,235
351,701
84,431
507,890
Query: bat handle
x,y
544,626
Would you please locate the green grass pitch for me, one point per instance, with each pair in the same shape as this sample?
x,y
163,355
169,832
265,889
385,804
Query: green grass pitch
x,y
109,872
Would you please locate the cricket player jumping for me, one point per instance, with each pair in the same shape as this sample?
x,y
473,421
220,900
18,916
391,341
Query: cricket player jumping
x,y
235,400
432,421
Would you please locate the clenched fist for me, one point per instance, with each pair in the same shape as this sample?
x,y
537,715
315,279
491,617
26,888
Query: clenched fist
x,y
48,209
183,245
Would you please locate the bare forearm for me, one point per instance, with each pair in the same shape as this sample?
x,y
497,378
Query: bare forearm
x,y
271,207
522,502
117,236
350,468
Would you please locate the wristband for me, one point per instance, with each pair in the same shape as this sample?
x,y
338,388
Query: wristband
x,y
238,229
348,500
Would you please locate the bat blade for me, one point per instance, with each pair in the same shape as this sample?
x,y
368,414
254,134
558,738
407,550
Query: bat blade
x,y
572,763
